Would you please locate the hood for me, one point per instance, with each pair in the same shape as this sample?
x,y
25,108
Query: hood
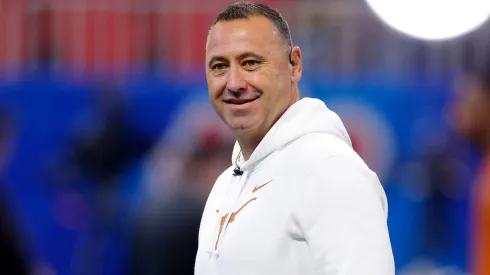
x,y
306,116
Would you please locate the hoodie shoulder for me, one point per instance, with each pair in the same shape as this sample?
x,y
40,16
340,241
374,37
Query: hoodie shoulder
x,y
331,163
318,146
220,182
225,176
310,150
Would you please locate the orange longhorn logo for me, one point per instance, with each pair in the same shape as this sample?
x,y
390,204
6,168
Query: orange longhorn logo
x,y
234,214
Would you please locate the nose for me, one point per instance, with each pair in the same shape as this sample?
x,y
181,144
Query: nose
x,y
236,82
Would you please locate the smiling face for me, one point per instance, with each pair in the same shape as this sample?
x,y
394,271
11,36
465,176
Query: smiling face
x,y
250,79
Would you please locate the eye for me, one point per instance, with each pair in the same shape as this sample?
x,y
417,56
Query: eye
x,y
251,64
219,67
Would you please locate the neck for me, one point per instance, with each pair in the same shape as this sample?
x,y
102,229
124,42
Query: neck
x,y
251,139
248,144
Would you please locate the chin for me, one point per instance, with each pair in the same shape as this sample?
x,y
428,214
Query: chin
x,y
242,124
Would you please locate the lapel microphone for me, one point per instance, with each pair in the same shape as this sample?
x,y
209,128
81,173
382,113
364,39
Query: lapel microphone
x,y
237,171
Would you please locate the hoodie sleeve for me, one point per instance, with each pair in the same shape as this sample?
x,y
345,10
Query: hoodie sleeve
x,y
343,218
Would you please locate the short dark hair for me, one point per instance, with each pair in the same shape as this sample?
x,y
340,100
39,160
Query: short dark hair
x,y
245,10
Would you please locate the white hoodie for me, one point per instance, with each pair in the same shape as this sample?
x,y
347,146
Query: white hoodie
x,y
305,204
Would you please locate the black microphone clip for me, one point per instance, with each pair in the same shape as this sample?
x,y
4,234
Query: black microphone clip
x,y
237,171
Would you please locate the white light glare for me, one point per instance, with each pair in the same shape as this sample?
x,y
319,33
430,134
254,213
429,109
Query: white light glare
x,y
432,19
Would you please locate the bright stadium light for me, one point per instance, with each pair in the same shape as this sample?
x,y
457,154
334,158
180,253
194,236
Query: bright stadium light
x,y
432,19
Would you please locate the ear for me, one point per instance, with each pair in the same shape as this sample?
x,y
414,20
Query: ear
x,y
297,64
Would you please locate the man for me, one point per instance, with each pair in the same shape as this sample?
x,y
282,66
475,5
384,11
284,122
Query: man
x,y
472,119
297,199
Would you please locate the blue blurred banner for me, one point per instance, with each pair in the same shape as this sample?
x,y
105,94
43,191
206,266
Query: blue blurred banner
x,y
399,129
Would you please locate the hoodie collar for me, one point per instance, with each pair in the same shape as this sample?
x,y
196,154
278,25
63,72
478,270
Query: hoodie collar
x,y
306,116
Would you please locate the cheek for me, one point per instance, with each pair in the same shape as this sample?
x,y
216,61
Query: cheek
x,y
263,80
215,88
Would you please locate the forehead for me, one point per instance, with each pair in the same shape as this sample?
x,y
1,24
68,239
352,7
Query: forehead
x,y
254,34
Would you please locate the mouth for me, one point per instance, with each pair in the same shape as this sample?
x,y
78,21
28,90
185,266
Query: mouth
x,y
240,101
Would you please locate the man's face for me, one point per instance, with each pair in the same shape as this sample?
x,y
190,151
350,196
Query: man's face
x,y
250,79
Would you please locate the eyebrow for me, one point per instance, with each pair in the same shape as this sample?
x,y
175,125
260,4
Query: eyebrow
x,y
251,54
219,58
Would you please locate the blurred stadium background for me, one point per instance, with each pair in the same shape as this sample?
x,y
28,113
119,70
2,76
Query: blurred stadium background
x,y
105,115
